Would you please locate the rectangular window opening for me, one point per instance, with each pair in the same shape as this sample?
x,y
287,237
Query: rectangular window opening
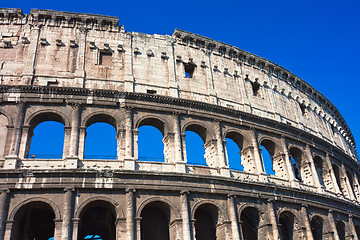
x,y
189,70
151,91
105,58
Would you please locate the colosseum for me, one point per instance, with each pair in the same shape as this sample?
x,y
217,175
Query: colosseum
x,y
81,69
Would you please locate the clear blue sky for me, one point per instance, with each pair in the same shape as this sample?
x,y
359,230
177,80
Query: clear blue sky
x,y
319,41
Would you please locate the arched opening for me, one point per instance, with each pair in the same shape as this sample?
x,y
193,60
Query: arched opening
x,y
286,221
250,223
234,155
340,228
337,175
269,152
35,220
155,218
47,140
235,148
317,226
319,169
195,139
150,144
97,219
351,181
205,222
100,141
3,134
296,161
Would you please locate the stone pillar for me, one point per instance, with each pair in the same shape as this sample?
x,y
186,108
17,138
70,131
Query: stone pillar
x,y
333,225
185,215
8,229
67,213
72,159
129,161
179,160
11,160
313,169
3,211
352,228
273,219
222,164
257,155
288,164
130,213
75,228
138,228
57,230
233,218
306,222
183,146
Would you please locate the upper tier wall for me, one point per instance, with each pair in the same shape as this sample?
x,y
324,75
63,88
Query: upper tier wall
x,y
50,48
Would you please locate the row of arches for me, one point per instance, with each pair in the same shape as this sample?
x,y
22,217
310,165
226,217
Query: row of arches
x,y
98,220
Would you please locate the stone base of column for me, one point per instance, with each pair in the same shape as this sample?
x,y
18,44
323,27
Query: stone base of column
x,y
263,177
11,162
71,162
129,164
180,167
225,172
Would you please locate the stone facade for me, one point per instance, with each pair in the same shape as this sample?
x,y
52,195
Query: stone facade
x,y
79,69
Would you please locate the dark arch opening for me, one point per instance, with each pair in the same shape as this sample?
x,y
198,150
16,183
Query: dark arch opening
x,y
47,140
268,151
35,220
100,141
150,144
250,223
337,175
316,224
205,222
155,218
97,218
357,230
286,221
340,228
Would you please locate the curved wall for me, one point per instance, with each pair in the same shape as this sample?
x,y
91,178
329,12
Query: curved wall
x,y
79,69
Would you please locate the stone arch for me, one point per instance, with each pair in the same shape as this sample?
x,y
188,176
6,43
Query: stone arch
x,y
97,216
46,115
5,125
297,161
238,137
8,116
221,214
174,211
250,222
287,224
119,211
53,206
155,121
276,156
317,227
208,218
341,229
203,131
101,116
245,153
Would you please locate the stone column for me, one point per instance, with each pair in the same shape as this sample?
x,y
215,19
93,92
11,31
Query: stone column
x,y
57,230
75,228
130,213
222,164
72,159
258,159
67,213
179,160
129,161
333,225
306,221
288,164
233,218
3,211
352,227
183,146
273,219
11,160
138,228
8,229
185,215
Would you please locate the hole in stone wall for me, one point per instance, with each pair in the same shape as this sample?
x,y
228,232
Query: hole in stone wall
x,y
302,108
234,155
195,150
150,144
255,87
267,159
189,70
340,227
250,223
105,58
317,227
151,91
